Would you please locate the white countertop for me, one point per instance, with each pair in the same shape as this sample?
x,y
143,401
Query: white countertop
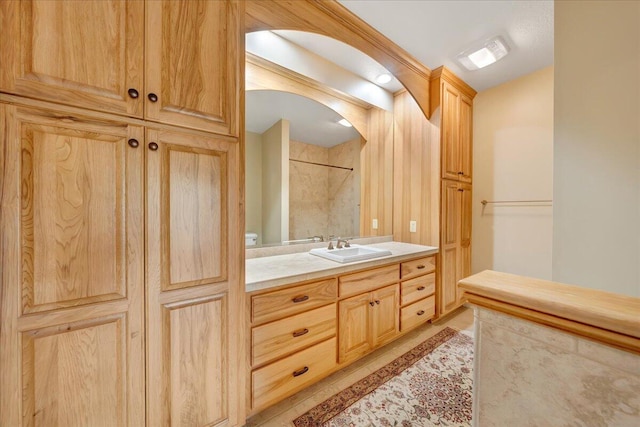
x,y
270,271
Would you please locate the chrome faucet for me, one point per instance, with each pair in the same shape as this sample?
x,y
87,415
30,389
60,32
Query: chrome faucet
x,y
341,241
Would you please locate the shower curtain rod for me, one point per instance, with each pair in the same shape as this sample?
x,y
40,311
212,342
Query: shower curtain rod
x,y
321,164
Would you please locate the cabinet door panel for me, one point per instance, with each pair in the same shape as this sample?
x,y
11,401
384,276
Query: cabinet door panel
x,y
354,323
85,53
193,293
466,138
193,58
72,239
450,148
450,265
386,318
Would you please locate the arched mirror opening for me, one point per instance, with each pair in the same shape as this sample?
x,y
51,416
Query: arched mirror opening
x,y
309,178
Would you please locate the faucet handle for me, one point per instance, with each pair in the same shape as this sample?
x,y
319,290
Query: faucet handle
x,y
330,245
347,244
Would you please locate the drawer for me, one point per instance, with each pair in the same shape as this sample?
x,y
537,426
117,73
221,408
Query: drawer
x,y
417,313
418,267
290,375
365,281
285,336
294,300
417,288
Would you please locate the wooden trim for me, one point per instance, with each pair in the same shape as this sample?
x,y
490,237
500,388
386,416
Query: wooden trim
x,y
444,73
330,18
602,316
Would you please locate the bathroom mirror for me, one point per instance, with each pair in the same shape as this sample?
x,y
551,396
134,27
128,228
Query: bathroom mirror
x,y
294,101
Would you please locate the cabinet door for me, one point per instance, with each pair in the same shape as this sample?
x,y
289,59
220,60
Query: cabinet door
x,y
450,148
85,53
193,63
193,297
72,310
353,327
464,269
465,138
449,246
385,322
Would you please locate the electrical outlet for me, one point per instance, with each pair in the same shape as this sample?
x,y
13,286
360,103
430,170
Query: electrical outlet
x,y
375,224
413,226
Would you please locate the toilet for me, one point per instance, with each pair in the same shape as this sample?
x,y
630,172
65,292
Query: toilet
x,y
250,239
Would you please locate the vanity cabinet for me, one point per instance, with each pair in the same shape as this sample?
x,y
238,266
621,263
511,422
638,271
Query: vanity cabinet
x,y
417,288
167,61
293,339
370,318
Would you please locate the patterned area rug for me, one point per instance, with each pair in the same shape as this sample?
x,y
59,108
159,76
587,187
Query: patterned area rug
x,y
427,386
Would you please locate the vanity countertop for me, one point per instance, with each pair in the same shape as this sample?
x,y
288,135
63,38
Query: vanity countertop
x,y
277,270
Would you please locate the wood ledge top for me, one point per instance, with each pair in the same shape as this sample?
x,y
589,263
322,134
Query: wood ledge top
x,y
595,308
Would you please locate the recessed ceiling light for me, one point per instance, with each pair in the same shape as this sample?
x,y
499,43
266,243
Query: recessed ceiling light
x,y
383,78
489,52
345,123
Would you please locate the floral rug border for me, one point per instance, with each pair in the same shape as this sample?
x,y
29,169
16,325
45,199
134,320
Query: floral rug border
x,y
347,397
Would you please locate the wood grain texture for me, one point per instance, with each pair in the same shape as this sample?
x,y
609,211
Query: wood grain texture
x,y
385,322
83,331
264,75
354,327
376,172
417,267
292,300
600,309
276,381
417,288
415,173
198,383
84,53
193,58
192,325
368,280
282,337
417,313
331,19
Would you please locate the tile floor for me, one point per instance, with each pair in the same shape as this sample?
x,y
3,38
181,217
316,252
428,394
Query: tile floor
x,y
283,413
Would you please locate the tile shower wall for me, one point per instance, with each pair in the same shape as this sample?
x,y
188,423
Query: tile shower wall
x,y
528,374
322,200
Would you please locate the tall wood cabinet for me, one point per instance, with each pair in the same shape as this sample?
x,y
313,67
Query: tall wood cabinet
x,y
455,99
120,216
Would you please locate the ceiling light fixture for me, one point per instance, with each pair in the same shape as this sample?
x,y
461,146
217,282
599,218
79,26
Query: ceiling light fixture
x,y
345,123
489,52
383,78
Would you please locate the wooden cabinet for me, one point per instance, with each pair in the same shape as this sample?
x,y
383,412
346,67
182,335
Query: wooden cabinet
x,y
95,54
293,340
367,321
456,123
368,318
455,244
417,288
72,309
192,279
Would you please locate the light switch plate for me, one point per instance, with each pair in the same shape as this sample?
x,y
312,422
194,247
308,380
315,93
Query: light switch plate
x,y
375,224
413,226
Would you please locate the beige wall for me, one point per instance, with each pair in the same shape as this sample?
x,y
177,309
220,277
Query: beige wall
x,y
513,160
253,183
275,183
596,240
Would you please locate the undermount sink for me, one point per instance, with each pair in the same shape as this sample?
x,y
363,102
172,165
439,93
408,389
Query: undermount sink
x,y
350,254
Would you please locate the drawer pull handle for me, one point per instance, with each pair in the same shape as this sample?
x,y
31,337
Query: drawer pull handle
x,y
420,313
421,288
378,301
420,267
371,303
300,298
300,332
301,371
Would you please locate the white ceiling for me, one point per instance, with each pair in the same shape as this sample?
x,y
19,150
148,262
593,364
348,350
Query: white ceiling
x,y
434,32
